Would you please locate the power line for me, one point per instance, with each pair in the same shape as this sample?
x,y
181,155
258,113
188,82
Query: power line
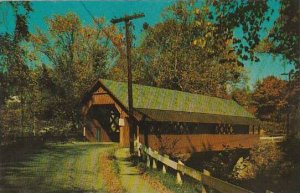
x,y
108,35
88,11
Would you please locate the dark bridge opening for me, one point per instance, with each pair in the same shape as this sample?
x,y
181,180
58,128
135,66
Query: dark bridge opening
x,y
103,123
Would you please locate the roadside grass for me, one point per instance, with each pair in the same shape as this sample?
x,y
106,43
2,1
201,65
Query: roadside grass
x,y
50,168
168,180
115,164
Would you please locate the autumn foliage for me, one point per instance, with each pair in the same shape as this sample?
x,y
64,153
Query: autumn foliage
x,y
110,176
270,98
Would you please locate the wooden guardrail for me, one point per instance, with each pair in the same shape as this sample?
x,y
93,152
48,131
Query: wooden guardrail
x,y
203,177
273,139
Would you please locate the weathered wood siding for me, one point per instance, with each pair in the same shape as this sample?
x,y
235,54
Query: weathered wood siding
x,y
101,98
184,143
89,135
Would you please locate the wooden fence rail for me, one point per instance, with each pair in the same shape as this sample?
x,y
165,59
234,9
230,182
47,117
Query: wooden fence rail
x,y
203,177
273,139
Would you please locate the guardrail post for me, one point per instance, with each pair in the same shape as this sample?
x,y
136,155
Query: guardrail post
x,y
148,161
164,167
178,175
204,188
154,165
144,154
180,162
178,178
149,158
139,151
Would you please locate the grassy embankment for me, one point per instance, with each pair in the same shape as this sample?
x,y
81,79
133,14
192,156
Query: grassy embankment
x,y
166,182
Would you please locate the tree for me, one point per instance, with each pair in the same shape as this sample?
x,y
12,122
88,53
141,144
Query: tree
x,y
76,56
12,65
244,98
282,39
247,15
184,53
269,97
284,36
285,39
14,72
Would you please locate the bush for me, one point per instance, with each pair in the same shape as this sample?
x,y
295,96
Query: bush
x,y
266,155
262,159
273,128
222,163
273,166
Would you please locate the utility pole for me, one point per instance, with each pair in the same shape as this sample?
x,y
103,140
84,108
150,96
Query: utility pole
x,y
288,110
132,127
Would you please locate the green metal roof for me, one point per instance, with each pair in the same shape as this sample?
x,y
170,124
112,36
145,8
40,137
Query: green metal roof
x,y
148,98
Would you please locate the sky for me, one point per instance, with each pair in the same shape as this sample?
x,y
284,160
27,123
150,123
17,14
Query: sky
x,y
268,64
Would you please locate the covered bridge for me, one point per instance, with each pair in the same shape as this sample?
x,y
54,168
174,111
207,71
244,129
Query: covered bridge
x,y
167,120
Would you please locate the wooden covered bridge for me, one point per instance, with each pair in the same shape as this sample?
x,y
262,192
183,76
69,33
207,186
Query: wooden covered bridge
x,y
167,120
